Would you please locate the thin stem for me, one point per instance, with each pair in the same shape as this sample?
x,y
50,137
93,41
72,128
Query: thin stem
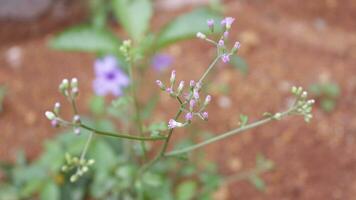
x,y
137,111
126,136
86,146
225,135
211,66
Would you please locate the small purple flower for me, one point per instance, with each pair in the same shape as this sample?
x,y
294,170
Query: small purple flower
x,y
55,123
189,116
225,58
205,115
160,62
226,34
169,90
160,84
221,43
210,23
227,22
237,45
192,83
109,77
174,124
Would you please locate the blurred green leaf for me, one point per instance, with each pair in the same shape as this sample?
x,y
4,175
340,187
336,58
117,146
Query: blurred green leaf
x,y
86,39
239,64
97,105
243,120
186,190
186,26
257,182
157,128
150,105
327,104
134,16
50,191
331,90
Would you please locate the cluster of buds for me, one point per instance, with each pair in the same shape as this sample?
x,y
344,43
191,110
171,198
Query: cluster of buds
x,y
223,51
191,103
80,164
125,49
71,91
303,105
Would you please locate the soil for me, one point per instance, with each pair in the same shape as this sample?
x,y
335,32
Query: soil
x,y
285,43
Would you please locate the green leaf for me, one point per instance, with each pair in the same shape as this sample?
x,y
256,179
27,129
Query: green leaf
x,y
243,120
331,90
239,64
50,191
257,182
186,190
134,16
150,105
97,105
186,26
156,128
87,39
327,104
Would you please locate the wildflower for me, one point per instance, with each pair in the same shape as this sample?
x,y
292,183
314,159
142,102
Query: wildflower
x,y
237,45
207,100
180,88
205,115
192,84
173,77
160,84
174,124
201,35
57,108
191,104
160,62
226,34
221,43
225,58
109,77
55,123
50,115
189,116
210,23
227,22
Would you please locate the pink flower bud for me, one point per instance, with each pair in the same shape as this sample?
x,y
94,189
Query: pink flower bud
x,y
189,116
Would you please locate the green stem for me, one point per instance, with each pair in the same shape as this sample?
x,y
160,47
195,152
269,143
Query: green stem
x,y
82,156
211,66
126,136
137,111
225,135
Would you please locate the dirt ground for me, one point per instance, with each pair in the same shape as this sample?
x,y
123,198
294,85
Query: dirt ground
x,y
284,42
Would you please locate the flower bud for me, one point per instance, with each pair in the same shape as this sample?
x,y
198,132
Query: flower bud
x,y
73,178
76,119
236,47
173,77
226,34
57,107
50,115
75,92
210,23
225,58
174,124
304,95
160,84
207,100
277,116
221,43
192,84
74,83
191,104
205,115
77,130
91,162
201,36
55,123
180,88
188,116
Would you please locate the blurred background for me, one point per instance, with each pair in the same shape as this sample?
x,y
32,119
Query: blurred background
x,y
284,43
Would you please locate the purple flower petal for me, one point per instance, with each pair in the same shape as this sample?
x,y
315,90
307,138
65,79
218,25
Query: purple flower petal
x,y
160,62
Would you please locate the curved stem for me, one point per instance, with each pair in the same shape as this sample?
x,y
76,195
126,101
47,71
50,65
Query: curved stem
x,y
126,136
225,135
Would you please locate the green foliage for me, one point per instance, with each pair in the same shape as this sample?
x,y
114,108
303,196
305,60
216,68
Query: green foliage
x,y
86,39
186,26
134,16
243,120
186,190
327,93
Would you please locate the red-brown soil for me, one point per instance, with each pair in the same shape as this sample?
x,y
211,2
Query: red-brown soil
x,y
284,42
